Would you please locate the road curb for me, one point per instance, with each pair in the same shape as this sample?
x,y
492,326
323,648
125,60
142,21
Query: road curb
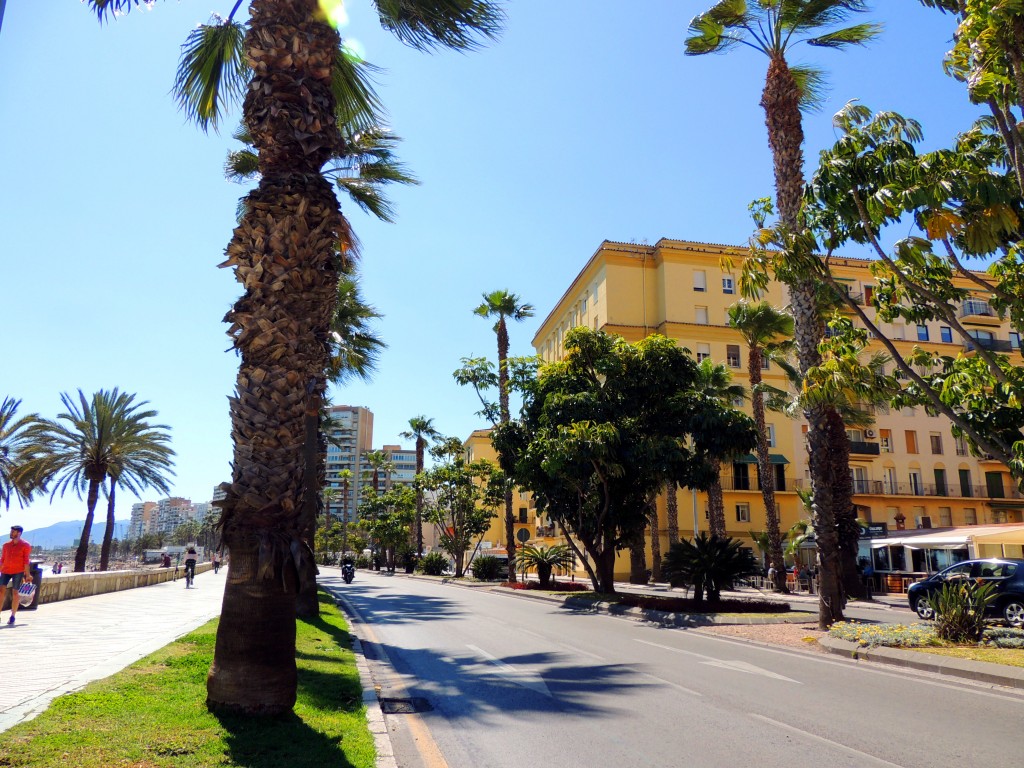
x,y
978,671
374,713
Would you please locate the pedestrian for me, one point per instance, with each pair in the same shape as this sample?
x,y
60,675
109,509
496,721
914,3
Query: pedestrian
x,y
771,576
191,557
216,562
14,567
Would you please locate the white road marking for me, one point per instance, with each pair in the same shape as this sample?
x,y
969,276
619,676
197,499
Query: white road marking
x,y
822,740
677,650
750,669
670,684
519,676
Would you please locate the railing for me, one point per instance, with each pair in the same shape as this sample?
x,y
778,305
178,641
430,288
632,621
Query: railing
x,y
951,489
731,483
976,308
860,447
992,345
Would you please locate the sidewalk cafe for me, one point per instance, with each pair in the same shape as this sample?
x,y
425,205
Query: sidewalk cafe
x,y
900,558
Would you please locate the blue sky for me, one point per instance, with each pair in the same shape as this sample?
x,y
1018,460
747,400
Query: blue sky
x,y
585,122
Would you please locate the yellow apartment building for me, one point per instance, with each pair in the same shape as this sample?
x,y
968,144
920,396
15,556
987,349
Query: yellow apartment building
x,y
908,470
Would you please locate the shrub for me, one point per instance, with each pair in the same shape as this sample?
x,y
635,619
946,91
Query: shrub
x,y
960,610
708,563
553,586
544,559
486,568
433,564
362,562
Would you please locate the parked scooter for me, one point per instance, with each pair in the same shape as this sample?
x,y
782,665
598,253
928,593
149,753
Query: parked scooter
x,y
348,572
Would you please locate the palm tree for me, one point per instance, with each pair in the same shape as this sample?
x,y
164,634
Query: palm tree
x,y
760,325
345,478
285,252
14,440
715,381
421,429
710,564
504,305
379,462
672,512
775,27
105,436
544,559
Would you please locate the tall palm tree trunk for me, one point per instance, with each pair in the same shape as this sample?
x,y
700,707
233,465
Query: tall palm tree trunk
x,y
284,254
781,103
82,553
420,446
716,502
672,513
764,469
655,542
847,530
314,453
108,534
344,517
510,528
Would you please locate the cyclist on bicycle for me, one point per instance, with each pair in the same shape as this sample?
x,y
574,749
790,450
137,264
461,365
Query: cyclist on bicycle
x,y
190,566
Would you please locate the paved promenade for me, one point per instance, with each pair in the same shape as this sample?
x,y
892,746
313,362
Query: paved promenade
x,y
62,646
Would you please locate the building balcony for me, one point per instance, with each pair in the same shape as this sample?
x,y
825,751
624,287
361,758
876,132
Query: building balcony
x,y
992,345
978,311
861,448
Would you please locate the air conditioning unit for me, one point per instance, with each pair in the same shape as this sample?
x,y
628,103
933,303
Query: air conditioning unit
x,y
869,433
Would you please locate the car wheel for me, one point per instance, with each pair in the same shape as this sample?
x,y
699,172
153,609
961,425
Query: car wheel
x,y
1013,612
924,608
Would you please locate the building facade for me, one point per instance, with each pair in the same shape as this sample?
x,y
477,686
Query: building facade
x,y
908,469
351,437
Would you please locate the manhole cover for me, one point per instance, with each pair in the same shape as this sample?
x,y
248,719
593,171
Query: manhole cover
x,y
405,706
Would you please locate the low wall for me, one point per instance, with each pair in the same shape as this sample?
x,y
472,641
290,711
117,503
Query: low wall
x,y
68,586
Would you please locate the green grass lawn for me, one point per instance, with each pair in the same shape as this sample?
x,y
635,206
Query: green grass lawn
x,y
153,714
1011,656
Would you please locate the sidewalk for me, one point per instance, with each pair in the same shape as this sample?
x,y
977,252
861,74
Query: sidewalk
x,y
61,646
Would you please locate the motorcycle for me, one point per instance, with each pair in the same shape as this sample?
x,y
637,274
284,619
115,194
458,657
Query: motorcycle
x,y
348,572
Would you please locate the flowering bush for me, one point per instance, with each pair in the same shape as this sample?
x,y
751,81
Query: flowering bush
x,y
960,610
917,635
553,586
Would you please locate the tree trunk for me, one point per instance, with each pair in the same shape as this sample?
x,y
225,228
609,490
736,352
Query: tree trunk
x,y
655,543
284,253
510,530
82,553
766,476
344,518
108,534
716,503
847,529
604,566
672,513
420,445
307,602
638,560
781,102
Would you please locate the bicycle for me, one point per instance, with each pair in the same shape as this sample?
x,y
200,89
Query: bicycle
x,y
190,573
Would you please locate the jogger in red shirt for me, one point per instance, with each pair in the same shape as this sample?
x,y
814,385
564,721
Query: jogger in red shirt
x,y
14,566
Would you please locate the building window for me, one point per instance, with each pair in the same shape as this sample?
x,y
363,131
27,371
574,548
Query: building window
x,y
916,486
771,435
1014,340
583,304
922,333
703,352
701,315
946,334
970,516
522,515
961,446
945,517
885,440
766,364
742,513
732,355
869,293
899,331
700,280
911,437
936,440
728,285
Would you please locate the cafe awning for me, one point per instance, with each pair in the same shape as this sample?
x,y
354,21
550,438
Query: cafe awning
x,y
749,458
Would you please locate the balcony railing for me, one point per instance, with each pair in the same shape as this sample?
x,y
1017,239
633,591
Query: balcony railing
x,y
861,448
976,308
992,345
952,490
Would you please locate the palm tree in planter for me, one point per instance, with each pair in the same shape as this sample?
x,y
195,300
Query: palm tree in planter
x,y
96,438
289,62
775,27
504,305
715,380
709,564
761,325
14,441
545,559
421,429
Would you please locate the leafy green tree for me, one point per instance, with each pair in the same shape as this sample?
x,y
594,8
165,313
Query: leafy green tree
x,y
603,429
421,429
504,306
709,564
345,478
300,74
761,326
390,516
774,28
105,436
715,381
544,560
465,496
186,533
14,441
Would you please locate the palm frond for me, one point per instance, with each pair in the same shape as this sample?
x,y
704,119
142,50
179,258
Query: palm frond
x,y
241,165
431,24
356,102
812,85
858,34
212,72
110,9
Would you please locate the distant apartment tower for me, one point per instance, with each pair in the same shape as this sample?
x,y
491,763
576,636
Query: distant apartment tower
x,y
350,437
200,510
172,512
142,519
403,464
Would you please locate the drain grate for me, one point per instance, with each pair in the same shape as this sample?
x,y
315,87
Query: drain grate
x,y
405,706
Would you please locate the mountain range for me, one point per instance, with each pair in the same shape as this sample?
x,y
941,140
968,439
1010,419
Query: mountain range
x,y
61,535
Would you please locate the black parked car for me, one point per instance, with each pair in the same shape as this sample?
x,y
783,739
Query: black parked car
x,y
1008,576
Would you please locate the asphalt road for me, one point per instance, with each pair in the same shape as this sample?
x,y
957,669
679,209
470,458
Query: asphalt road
x,y
510,682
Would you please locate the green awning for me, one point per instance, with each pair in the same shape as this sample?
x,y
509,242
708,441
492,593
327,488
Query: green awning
x,y
775,458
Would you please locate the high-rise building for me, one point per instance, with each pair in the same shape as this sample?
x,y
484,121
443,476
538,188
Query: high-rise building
x,y
350,437
403,464
142,519
170,513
